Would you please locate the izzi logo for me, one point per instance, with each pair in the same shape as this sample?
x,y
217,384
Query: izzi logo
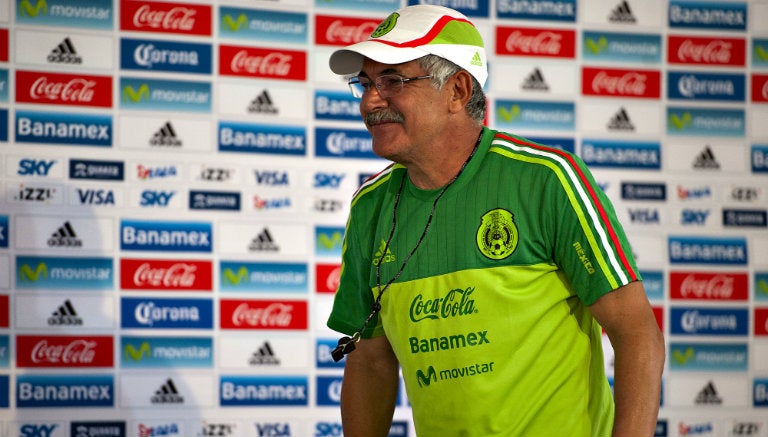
x,y
556,10
535,115
708,15
166,236
343,143
96,170
264,391
66,129
708,357
161,313
719,122
165,95
84,14
214,200
247,24
59,273
260,276
707,250
160,55
706,86
622,154
254,138
621,47
166,352
336,105
73,391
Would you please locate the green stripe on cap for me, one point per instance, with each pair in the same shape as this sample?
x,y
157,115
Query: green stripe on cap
x,y
458,32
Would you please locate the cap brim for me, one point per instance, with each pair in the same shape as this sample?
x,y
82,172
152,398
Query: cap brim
x,y
349,60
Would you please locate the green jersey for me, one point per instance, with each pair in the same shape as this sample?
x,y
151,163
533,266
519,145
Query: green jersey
x,y
489,317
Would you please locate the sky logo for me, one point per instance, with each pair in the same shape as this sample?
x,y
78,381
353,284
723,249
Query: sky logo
x,y
708,15
708,321
165,95
238,391
557,10
166,352
166,236
336,105
160,55
66,129
730,357
248,24
166,313
72,391
704,250
533,115
255,138
37,273
84,14
703,86
264,277
621,47
706,122
344,143
622,154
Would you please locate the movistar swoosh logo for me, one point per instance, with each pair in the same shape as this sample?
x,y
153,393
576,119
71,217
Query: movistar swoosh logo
x,y
509,114
762,285
683,357
26,8
27,274
234,24
136,354
680,122
596,46
761,53
230,277
330,241
426,379
130,94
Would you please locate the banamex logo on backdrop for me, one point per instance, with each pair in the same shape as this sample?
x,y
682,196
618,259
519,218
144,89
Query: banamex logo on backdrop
x,y
176,175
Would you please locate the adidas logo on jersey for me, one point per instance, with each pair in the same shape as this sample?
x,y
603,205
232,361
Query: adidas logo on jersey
x,y
263,242
167,394
708,395
262,104
621,122
622,14
535,81
65,315
381,257
65,53
65,237
264,356
166,136
706,160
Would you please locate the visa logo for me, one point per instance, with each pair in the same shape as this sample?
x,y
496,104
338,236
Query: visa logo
x,y
37,430
269,177
95,197
328,180
694,217
273,429
156,198
645,216
35,167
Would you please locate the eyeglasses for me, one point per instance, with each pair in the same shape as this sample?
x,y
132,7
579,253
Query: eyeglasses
x,y
387,85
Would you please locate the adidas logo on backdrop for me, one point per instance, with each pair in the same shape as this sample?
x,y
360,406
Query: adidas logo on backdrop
x,y
65,237
622,14
165,136
264,356
65,315
65,53
706,160
620,121
262,104
535,81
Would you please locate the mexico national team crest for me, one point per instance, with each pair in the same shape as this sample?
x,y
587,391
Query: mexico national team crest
x,y
497,235
386,26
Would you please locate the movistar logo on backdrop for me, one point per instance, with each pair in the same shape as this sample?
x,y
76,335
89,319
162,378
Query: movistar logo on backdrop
x,y
84,14
260,276
704,250
153,352
257,138
263,25
537,115
621,47
161,55
708,15
625,154
706,122
36,272
708,357
550,10
328,240
759,52
165,95
64,128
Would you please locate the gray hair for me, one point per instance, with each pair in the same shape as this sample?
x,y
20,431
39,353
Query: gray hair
x,y
441,69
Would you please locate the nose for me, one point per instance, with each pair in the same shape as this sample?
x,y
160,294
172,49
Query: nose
x,y
372,100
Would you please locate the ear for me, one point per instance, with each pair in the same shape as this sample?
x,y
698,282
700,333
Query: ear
x,y
460,87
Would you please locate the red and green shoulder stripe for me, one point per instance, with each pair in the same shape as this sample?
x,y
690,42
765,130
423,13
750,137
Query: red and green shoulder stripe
x,y
606,241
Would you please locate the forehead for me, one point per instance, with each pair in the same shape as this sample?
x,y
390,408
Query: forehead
x,y
373,68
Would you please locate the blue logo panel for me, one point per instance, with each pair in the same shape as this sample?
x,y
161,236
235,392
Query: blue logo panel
x,y
344,143
259,277
621,154
708,357
705,86
708,321
760,392
240,23
37,272
704,250
547,10
83,14
708,15
567,144
4,231
166,352
323,350
761,286
759,158
240,391
159,55
328,391
621,47
66,129
256,138
336,105
96,170
653,282
165,95
166,236
535,115
160,313
759,52
719,122
5,84
46,391
5,394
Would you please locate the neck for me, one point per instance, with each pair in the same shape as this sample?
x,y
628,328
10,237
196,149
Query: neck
x,y
445,163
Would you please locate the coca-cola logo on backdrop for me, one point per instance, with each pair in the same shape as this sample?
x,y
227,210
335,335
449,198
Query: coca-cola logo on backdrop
x,y
152,16
621,83
63,89
760,88
266,63
706,50
718,286
522,41
155,274
263,314
64,351
342,31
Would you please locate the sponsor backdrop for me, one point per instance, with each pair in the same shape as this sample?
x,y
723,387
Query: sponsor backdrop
x,y
175,179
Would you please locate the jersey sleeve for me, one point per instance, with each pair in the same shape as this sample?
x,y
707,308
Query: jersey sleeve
x,y
590,244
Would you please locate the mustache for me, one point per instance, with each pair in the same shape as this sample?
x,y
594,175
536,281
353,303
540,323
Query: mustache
x,y
383,116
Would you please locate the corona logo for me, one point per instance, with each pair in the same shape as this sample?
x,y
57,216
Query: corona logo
x,y
135,96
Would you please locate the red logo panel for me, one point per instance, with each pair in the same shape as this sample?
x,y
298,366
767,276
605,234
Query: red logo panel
x,y
718,286
64,351
63,89
658,313
152,16
327,277
342,31
521,41
761,321
172,275
266,63
263,314
4,311
706,51
612,82
760,88
3,45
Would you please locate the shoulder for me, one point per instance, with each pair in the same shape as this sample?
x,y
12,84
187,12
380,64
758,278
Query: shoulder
x,y
375,186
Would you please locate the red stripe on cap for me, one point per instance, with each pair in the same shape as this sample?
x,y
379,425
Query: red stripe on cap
x,y
432,34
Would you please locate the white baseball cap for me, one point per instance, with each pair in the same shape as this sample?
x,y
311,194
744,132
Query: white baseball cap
x,y
416,31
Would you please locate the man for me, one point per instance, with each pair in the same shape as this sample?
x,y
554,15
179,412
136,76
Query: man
x,y
482,264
